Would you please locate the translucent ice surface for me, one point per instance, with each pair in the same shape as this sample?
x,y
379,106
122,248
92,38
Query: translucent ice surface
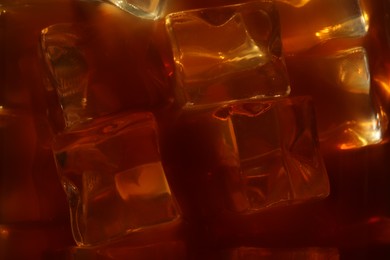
x,y
102,67
227,53
254,155
149,9
68,69
141,181
305,24
279,162
340,85
295,3
111,171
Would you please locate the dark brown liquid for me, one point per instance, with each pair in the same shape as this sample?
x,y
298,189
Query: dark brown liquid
x,y
34,217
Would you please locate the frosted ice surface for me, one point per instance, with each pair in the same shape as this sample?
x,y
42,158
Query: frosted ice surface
x,y
227,53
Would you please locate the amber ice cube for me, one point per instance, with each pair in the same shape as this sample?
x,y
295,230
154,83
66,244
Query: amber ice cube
x,y
227,53
68,67
149,9
340,84
94,68
250,156
111,171
306,23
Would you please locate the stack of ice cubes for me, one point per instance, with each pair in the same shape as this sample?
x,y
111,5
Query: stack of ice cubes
x,y
242,140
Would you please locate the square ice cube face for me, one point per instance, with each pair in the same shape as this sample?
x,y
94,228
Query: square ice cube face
x,y
277,147
149,9
305,24
340,84
93,69
227,53
253,155
112,174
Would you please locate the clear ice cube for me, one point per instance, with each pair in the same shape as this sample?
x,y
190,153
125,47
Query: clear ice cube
x,y
255,155
340,85
303,27
111,171
68,69
281,162
148,9
94,69
211,69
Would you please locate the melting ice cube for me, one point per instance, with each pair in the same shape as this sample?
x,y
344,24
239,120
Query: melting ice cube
x,y
111,171
68,69
254,155
340,84
227,53
280,162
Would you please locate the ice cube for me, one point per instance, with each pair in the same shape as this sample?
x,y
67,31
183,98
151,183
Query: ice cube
x,y
305,24
112,174
227,53
340,85
253,155
149,9
94,69
68,68
280,162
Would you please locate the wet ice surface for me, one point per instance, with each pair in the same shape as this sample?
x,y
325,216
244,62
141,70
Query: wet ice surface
x,y
92,68
68,69
339,83
112,174
211,69
149,9
295,3
303,28
255,155
279,162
